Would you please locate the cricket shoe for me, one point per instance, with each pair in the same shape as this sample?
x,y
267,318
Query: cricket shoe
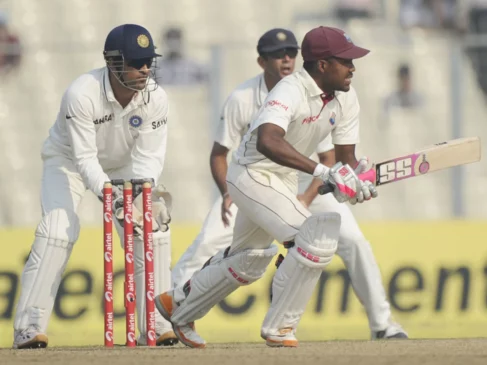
x,y
283,338
393,331
167,338
30,338
166,305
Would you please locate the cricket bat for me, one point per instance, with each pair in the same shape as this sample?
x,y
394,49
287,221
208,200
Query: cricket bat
x,y
433,158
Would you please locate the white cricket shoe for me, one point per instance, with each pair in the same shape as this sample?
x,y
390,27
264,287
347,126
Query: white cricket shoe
x,y
283,338
166,305
167,338
392,331
188,336
30,338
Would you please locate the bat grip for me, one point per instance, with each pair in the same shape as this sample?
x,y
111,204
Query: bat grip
x,y
325,189
328,188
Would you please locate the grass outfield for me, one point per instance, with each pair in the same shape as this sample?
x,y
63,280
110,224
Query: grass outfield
x,y
423,352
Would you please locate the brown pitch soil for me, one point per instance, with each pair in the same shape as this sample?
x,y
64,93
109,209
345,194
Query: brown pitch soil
x,y
421,352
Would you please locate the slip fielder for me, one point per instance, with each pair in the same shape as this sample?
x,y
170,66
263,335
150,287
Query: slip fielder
x,y
111,125
297,114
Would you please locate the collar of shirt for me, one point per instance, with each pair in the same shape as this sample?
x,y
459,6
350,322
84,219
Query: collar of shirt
x,y
326,98
309,83
313,88
107,87
262,93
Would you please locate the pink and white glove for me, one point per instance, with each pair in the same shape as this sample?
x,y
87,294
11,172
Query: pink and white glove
x,y
345,182
368,191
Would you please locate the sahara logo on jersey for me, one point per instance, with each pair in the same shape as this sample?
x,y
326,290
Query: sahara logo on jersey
x,y
104,119
159,123
135,121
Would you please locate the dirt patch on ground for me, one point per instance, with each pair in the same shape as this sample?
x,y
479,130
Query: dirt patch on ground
x,y
422,352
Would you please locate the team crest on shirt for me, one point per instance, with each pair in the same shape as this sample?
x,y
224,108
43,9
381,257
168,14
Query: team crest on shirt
x,y
332,118
135,121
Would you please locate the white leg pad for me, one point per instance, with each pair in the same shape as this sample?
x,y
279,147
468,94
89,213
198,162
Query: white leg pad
x,y
219,279
55,236
297,276
162,275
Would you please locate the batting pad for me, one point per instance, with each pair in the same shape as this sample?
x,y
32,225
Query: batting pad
x,y
297,276
162,277
55,236
219,279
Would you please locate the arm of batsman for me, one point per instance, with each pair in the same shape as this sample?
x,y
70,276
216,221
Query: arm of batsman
x,y
161,209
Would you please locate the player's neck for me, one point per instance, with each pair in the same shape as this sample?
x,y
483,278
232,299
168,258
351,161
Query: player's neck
x,y
325,88
270,81
121,93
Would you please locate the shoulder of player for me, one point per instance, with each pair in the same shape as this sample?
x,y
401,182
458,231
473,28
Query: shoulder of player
x,y
348,98
244,91
158,97
290,88
87,85
159,93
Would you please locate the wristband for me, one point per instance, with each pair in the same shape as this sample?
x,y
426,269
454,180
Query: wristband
x,y
320,170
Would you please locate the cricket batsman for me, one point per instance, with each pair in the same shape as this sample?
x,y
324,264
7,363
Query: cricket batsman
x,y
298,113
112,124
277,51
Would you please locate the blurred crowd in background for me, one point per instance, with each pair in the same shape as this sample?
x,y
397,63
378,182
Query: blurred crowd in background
x,y
408,85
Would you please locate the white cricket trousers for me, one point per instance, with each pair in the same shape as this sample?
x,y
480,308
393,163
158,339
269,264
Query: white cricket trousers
x,y
353,249
61,193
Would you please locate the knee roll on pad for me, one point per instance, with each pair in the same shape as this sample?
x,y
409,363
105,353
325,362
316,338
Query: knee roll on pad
x,y
219,279
317,239
59,224
296,277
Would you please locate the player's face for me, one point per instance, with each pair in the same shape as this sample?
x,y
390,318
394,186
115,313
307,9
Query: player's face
x,y
137,72
338,73
280,63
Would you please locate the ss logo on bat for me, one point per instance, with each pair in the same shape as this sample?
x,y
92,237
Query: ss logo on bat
x,y
394,170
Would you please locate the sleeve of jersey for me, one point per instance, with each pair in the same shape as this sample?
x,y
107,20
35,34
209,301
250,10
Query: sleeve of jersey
x,y
325,145
347,129
82,135
279,106
230,126
150,147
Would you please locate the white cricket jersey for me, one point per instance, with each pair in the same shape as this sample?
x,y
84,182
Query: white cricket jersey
x,y
99,135
239,110
308,116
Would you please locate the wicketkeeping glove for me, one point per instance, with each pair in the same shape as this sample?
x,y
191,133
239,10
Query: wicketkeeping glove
x,y
161,209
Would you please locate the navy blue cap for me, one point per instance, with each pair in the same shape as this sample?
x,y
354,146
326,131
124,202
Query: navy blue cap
x,y
130,41
276,39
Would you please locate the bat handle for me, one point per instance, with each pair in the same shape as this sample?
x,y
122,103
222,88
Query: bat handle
x,y
328,188
325,189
